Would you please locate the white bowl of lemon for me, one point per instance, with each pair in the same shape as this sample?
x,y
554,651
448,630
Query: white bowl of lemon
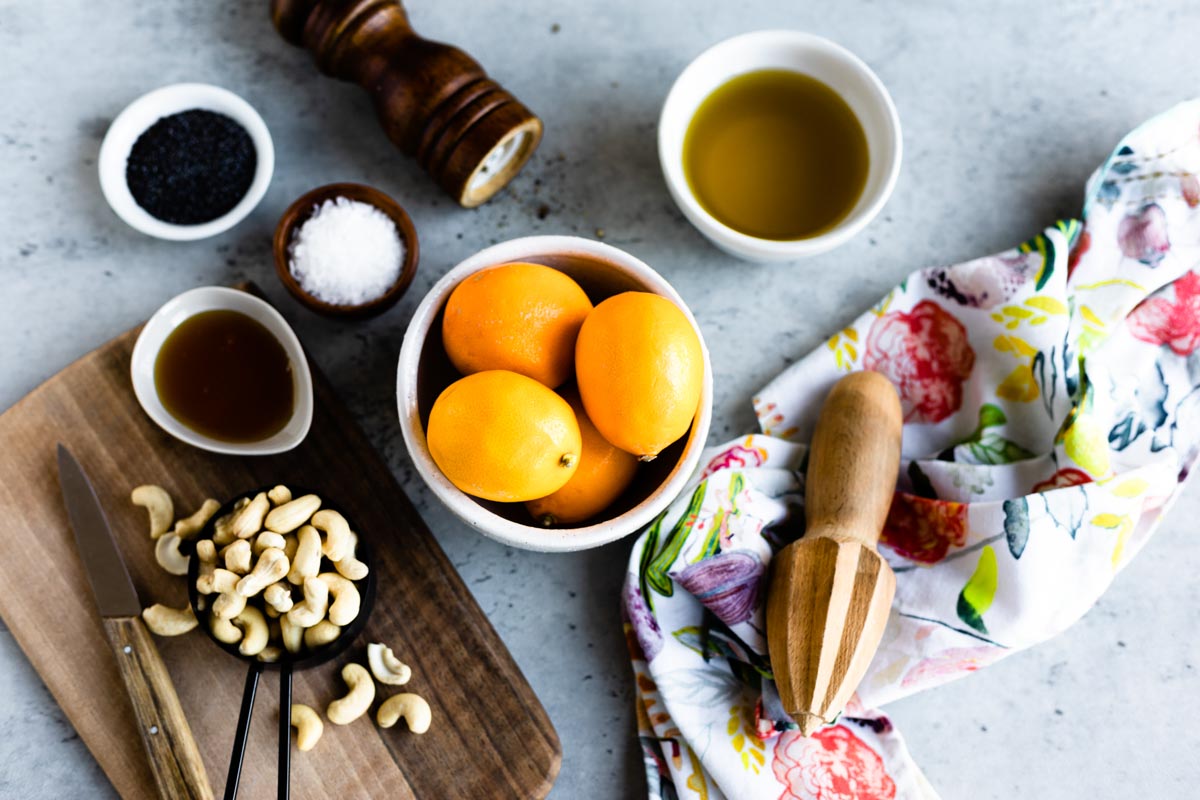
x,y
579,400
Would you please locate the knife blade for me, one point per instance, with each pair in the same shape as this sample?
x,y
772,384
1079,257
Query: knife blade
x,y
174,760
115,595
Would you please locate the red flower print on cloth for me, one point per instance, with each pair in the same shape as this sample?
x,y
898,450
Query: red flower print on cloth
x,y
1175,323
948,664
735,457
924,530
1077,252
833,764
1067,476
924,352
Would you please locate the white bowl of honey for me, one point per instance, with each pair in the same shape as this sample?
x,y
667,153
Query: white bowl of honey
x,y
779,144
222,370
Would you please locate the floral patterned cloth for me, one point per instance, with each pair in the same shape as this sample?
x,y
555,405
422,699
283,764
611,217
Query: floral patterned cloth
x,y
1052,409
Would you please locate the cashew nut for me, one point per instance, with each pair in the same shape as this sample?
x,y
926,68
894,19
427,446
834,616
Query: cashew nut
x,y
350,567
270,654
166,553
307,561
278,597
346,709
337,533
223,630
291,515
316,601
280,495
237,557
271,611
166,621
219,581
272,566
385,666
290,545
249,520
346,600
412,707
223,528
206,551
188,527
267,539
156,501
321,634
228,605
255,633
308,727
291,635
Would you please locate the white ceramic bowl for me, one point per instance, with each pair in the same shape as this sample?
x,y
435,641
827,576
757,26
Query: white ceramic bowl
x,y
820,58
212,298
424,370
153,106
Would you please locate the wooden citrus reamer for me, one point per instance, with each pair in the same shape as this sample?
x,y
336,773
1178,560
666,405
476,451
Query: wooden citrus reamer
x,y
831,591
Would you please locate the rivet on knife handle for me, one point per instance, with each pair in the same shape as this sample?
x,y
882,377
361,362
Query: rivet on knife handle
x,y
831,592
174,759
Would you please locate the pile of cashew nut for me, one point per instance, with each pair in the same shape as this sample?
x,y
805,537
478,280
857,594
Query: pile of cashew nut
x,y
262,570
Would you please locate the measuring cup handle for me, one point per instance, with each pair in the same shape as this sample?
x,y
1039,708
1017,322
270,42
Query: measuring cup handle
x,y
243,731
285,731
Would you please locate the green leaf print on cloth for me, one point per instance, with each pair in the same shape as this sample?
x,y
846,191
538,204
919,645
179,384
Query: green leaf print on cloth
x,y
986,445
976,597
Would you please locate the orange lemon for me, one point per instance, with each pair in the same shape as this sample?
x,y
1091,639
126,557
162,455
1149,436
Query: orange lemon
x,y
502,436
604,473
640,368
518,317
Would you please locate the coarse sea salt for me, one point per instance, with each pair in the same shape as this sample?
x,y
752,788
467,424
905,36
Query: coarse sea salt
x,y
346,253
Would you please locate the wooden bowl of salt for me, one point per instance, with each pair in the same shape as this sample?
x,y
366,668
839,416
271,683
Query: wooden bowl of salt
x,y
346,250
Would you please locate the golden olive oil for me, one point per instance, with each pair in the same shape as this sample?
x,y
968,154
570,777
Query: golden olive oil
x,y
776,154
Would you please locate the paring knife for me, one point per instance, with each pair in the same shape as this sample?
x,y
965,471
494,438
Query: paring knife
x,y
166,735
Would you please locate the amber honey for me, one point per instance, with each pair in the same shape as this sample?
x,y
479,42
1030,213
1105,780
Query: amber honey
x,y
226,376
776,154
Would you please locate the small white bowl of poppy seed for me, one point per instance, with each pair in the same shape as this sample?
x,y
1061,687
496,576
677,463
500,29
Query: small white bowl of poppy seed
x,y
186,161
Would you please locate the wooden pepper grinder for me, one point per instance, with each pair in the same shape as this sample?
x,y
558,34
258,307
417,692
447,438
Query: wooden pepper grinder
x,y
434,101
831,591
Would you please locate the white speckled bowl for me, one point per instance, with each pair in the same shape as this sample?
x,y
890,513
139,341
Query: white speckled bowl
x,y
153,106
425,370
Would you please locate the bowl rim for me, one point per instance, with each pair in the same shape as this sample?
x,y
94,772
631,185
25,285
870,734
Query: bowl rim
x,y
490,524
147,109
674,116
208,298
299,212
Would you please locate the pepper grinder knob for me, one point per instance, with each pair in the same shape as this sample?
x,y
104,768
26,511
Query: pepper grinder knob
x,y
434,101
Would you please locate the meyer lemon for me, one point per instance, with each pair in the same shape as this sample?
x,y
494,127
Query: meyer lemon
x,y
604,472
640,368
502,436
518,317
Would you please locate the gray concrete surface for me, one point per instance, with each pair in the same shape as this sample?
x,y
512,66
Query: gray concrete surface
x,y
1006,107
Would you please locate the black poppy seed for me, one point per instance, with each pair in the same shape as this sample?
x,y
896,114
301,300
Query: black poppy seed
x,y
191,167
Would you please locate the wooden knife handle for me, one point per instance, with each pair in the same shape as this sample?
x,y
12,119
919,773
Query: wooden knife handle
x,y
854,460
174,759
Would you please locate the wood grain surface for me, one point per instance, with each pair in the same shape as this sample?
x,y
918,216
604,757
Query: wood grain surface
x,y
831,591
166,735
490,736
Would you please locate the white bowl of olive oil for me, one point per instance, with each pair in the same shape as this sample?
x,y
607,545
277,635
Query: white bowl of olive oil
x,y
779,144
222,370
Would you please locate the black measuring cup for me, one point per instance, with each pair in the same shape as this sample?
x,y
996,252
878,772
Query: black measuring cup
x,y
288,662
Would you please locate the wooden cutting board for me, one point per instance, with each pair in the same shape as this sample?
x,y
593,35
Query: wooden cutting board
x,y
490,737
